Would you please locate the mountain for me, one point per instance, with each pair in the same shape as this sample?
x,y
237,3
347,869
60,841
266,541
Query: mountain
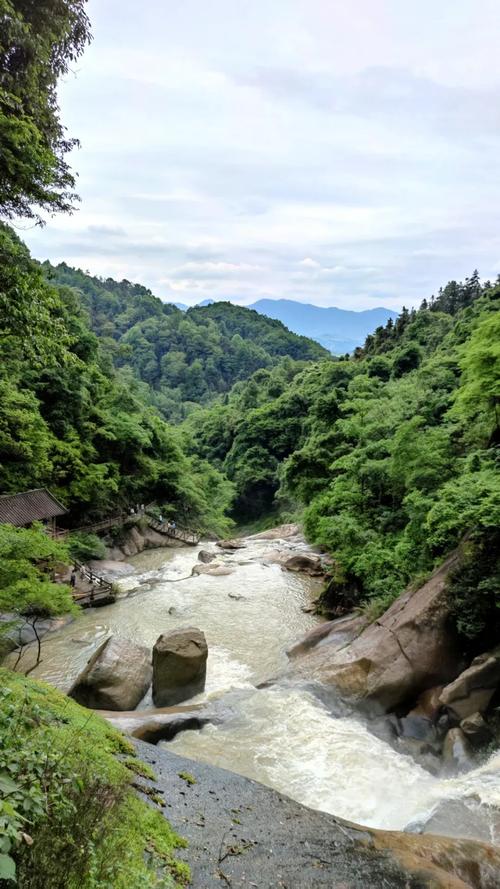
x,y
338,330
185,357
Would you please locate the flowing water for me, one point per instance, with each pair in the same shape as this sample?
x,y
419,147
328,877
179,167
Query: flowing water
x,y
280,735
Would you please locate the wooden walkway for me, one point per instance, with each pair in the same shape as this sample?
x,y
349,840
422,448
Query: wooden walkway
x,y
101,592
184,534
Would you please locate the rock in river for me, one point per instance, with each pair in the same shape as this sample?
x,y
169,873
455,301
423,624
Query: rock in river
x,y
179,666
407,650
473,690
116,677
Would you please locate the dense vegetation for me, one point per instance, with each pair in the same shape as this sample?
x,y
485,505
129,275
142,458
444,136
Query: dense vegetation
x,y
391,455
38,43
69,422
69,817
185,358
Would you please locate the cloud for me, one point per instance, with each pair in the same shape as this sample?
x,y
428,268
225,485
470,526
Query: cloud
x,y
340,154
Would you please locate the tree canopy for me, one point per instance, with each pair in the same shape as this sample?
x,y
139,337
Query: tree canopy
x,y
39,39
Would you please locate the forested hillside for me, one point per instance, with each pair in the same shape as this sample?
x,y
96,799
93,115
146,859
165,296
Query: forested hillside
x,y
69,421
391,455
184,357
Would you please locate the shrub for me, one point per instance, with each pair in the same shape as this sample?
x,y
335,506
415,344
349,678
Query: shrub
x,y
69,818
83,547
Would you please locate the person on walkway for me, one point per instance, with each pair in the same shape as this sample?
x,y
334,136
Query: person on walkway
x,y
72,579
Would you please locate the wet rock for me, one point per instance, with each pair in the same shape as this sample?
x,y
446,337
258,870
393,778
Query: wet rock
x,y
394,659
428,703
467,818
21,633
236,596
333,633
286,844
418,727
306,563
116,677
231,544
110,570
457,752
473,690
179,665
213,570
205,556
282,532
476,730
162,724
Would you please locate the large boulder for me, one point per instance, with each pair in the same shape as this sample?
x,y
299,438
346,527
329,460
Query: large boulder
x,y
179,666
206,556
282,532
410,648
116,677
232,544
472,691
306,563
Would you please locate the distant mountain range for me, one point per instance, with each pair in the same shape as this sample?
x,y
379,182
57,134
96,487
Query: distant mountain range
x,y
339,330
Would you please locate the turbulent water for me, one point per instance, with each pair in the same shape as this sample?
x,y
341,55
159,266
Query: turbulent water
x,y
280,735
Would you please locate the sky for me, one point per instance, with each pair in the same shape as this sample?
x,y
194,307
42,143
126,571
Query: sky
x,y
339,153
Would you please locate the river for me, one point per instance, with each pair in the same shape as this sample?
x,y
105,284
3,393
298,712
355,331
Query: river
x,y
280,735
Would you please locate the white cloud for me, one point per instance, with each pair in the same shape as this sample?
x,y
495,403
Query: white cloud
x,y
344,154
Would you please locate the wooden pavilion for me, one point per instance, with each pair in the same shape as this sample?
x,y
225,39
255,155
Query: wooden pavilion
x,y
38,505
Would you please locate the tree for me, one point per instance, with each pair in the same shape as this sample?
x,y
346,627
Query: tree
x,y
27,591
38,42
479,395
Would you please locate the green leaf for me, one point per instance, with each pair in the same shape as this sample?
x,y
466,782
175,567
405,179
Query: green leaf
x,y
7,868
7,785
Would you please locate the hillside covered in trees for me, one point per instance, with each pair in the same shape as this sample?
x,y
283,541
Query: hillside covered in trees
x,y
184,357
69,421
391,457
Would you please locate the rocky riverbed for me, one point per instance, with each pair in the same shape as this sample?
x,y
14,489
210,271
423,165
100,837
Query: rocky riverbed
x,y
274,718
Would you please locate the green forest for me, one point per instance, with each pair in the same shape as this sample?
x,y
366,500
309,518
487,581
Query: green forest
x,y
185,358
390,456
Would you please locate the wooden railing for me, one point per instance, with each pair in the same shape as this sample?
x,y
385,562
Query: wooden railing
x,y
187,535
101,592
184,534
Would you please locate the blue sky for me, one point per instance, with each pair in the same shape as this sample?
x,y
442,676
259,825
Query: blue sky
x,y
338,153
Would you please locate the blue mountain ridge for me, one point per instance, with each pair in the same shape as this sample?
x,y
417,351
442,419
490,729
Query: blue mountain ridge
x,y
339,330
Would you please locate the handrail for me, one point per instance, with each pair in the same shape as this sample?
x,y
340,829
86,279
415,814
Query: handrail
x,y
184,534
93,578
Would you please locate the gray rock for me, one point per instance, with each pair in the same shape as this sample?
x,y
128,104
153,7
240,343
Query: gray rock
x,y
205,556
231,544
179,666
407,650
116,677
418,727
472,691
162,724
256,836
305,563
467,818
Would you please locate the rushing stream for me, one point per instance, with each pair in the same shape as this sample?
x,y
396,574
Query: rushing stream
x,y
280,735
